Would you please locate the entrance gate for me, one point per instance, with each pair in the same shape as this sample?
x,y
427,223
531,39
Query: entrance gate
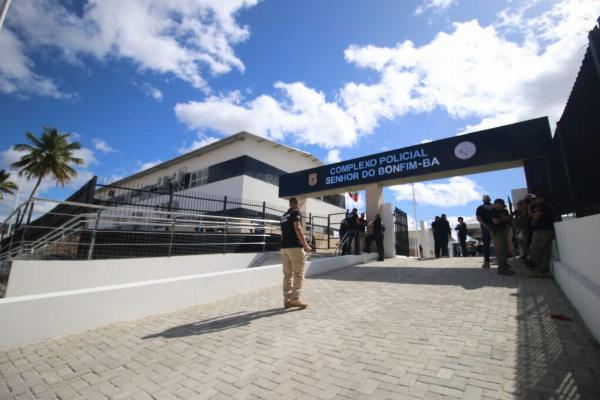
x,y
401,232
524,144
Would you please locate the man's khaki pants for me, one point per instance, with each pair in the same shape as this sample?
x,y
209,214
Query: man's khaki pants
x,y
293,272
540,250
500,248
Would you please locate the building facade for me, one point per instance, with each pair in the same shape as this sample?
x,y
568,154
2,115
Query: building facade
x,y
241,166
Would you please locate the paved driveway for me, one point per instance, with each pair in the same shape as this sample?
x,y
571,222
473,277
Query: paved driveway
x,y
398,329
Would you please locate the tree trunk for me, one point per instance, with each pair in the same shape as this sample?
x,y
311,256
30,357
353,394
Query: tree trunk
x,y
29,199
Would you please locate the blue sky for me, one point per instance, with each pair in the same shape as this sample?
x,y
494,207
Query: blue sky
x,y
142,81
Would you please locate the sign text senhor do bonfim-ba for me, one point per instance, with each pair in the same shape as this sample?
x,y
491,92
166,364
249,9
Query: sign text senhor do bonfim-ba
x,y
381,166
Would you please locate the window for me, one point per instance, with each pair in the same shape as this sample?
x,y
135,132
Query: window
x,y
199,178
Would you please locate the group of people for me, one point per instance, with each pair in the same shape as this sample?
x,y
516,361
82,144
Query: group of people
x,y
531,226
355,228
441,235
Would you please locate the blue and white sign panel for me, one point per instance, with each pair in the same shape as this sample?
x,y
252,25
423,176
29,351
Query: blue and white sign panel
x,y
510,143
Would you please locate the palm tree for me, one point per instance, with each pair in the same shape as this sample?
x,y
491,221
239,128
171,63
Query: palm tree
x,y
6,186
48,155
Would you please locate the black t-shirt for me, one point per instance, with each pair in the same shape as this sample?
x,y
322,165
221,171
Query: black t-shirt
x,y
352,221
444,227
546,221
289,238
494,213
435,227
378,228
462,230
483,211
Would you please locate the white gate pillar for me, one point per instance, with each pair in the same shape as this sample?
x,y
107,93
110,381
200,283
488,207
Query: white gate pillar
x,y
374,200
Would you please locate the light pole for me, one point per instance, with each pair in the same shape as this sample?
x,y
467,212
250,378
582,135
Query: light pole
x,y
3,11
417,233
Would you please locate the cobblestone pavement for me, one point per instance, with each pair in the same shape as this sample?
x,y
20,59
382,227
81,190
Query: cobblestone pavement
x,y
399,329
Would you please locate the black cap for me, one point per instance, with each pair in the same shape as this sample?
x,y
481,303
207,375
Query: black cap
x,y
498,201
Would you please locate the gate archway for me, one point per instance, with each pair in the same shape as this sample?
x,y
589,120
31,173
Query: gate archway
x,y
524,144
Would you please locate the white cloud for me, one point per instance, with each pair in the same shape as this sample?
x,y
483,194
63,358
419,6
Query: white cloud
x,y
16,75
101,145
456,191
189,40
333,156
87,155
479,71
147,165
303,113
198,143
511,70
435,5
152,91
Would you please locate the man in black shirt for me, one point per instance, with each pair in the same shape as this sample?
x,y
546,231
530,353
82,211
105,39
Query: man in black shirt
x,y
435,228
378,230
501,220
293,248
483,217
343,232
444,232
542,220
353,227
362,232
462,235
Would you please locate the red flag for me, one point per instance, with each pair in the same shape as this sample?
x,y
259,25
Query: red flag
x,y
353,196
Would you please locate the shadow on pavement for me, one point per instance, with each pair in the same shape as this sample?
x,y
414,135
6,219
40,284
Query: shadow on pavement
x,y
217,324
468,278
556,359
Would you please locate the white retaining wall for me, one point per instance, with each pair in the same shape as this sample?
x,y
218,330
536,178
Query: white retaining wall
x,y
578,269
34,318
42,276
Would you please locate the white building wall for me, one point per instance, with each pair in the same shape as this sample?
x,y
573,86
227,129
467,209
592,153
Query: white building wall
x,y
255,189
271,153
244,187
227,187
578,269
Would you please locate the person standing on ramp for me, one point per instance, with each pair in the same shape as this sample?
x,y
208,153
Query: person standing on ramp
x,y
378,230
293,248
483,217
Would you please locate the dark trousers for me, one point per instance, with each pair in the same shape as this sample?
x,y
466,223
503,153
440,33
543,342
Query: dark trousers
x,y
357,241
486,238
444,246
463,246
436,246
368,241
346,248
379,244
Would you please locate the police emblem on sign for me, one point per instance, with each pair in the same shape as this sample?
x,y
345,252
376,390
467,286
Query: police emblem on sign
x,y
312,179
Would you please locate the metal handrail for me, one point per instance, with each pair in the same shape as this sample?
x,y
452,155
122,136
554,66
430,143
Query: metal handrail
x,y
113,217
169,213
58,231
342,243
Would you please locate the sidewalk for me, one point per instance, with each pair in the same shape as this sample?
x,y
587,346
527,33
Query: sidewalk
x,y
399,329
